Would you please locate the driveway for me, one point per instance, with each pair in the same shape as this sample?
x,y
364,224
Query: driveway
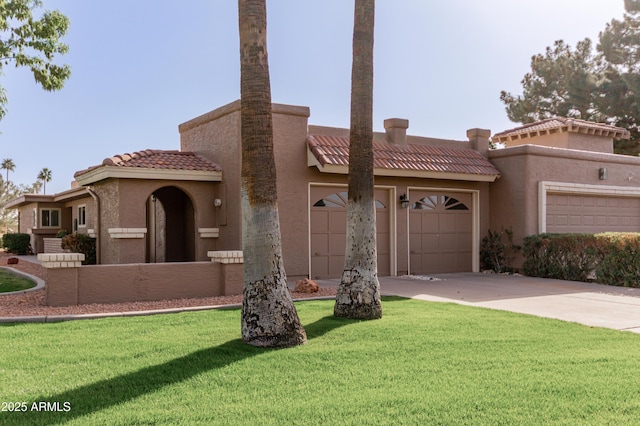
x,y
589,304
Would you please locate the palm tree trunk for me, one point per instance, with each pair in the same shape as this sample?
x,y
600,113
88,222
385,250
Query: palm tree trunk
x,y
358,294
269,318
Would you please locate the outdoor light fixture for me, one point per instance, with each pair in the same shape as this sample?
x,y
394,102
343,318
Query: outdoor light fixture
x,y
404,201
603,173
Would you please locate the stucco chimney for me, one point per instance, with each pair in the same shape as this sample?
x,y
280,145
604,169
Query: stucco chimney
x,y
479,139
396,129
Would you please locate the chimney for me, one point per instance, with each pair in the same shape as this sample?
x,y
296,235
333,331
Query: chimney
x,y
396,129
479,139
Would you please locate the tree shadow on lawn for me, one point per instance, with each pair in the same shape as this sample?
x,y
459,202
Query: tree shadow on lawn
x,y
121,389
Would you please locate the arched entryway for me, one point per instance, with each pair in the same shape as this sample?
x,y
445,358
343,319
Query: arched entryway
x,y
171,226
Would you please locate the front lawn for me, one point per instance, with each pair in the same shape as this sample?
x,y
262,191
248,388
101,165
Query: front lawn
x,y
422,363
12,282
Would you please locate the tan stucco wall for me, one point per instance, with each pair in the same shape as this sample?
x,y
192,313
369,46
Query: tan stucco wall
x,y
216,135
514,197
139,282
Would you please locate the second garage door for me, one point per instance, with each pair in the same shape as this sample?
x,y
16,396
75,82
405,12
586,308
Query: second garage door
x,y
592,213
440,232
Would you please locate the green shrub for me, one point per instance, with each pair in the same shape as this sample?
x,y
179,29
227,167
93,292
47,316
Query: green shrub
x,y
610,258
81,243
61,233
495,253
563,256
620,263
17,243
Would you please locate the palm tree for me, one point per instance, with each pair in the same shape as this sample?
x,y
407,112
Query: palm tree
x,y
358,294
269,318
8,165
44,176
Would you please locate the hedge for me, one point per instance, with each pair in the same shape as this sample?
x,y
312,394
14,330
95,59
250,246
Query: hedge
x,y
608,258
17,243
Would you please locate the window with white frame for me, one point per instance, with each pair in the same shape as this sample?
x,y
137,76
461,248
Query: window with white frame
x,y
82,215
49,218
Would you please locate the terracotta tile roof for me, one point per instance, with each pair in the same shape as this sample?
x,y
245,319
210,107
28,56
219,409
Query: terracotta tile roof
x,y
158,159
562,124
412,157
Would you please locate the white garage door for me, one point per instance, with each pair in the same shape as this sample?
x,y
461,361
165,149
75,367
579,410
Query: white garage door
x,y
592,213
440,232
329,227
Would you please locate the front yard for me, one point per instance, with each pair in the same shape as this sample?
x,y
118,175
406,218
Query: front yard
x,y
423,363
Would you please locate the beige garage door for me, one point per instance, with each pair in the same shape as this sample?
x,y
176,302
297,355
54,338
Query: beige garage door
x,y
440,232
592,213
328,231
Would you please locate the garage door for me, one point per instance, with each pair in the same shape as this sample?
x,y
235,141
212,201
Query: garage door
x,y
592,213
328,231
440,232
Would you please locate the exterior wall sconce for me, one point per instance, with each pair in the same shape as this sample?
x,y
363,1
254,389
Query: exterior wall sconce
x,y
217,202
404,201
602,173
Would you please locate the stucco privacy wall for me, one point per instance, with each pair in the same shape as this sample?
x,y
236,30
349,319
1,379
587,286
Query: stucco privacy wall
x,y
69,286
515,198
216,136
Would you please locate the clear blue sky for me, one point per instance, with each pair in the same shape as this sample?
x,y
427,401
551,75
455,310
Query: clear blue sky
x,y
142,67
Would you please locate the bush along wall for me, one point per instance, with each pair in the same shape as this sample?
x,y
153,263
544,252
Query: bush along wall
x,y
608,258
81,243
17,243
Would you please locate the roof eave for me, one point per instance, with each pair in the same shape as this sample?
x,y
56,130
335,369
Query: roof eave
x,y
423,174
116,172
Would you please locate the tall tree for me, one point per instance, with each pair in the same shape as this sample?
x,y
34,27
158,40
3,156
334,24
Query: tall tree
x,y
358,294
33,42
603,86
561,82
269,317
619,48
45,176
8,165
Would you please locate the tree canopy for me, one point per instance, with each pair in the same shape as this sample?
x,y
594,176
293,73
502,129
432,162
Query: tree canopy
x,y
601,85
34,42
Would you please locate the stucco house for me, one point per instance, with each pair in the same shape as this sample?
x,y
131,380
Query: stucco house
x,y
435,198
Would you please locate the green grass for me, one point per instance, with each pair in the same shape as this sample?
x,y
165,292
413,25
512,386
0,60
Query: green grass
x,y
422,363
12,282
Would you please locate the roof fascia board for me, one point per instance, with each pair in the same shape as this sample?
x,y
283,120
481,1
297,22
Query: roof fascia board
x,y
116,172
344,170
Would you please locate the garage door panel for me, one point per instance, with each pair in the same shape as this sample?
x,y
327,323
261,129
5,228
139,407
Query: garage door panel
x,y
447,223
430,222
448,243
415,223
464,223
320,245
338,222
592,213
337,243
319,221
429,243
441,241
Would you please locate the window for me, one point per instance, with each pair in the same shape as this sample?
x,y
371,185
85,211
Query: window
x,y
339,200
50,218
82,215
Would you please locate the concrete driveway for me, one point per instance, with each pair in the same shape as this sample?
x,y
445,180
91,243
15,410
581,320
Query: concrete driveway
x,y
589,304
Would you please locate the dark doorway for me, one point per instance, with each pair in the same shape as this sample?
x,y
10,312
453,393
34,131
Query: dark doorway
x,y
171,226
